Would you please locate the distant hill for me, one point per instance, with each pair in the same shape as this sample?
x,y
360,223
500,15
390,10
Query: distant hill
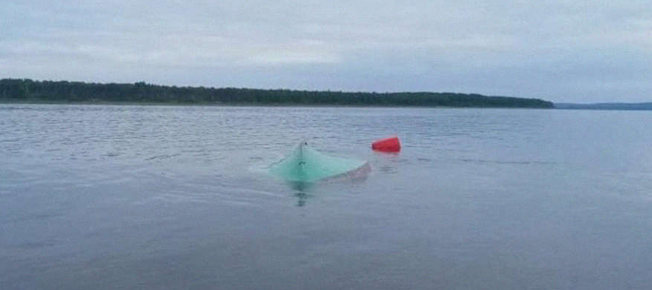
x,y
605,106
25,90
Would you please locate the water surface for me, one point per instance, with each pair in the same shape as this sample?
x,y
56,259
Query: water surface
x,y
149,197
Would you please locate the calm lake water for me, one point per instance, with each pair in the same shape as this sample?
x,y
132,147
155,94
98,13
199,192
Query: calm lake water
x,y
165,197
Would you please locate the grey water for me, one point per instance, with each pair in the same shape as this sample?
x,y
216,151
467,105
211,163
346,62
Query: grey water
x,y
176,197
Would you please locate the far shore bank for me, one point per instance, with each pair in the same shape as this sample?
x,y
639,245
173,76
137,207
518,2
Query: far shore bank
x,y
93,103
64,92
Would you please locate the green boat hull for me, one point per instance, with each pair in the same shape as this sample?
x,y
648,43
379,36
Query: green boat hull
x,y
305,164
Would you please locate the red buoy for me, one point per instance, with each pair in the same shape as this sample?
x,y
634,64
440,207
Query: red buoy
x,y
391,144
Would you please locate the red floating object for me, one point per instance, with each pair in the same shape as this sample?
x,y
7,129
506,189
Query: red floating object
x,y
391,144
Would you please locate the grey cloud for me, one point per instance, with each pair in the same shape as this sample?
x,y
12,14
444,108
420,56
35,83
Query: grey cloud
x,y
557,50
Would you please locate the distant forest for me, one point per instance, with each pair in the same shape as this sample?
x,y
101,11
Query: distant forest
x,y
25,90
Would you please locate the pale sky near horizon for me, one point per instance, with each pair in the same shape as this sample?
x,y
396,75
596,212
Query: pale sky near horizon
x,y
563,51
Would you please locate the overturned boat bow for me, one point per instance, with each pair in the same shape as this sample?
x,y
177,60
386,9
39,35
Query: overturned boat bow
x,y
305,164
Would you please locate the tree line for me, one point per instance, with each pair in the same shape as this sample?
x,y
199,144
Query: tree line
x,y
26,90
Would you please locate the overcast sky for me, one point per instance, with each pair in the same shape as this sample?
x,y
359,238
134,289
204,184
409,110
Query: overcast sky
x,y
576,51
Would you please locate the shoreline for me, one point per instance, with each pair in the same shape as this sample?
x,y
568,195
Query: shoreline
x,y
140,93
208,104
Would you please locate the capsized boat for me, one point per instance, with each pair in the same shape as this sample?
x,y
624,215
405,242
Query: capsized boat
x,y
305,164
